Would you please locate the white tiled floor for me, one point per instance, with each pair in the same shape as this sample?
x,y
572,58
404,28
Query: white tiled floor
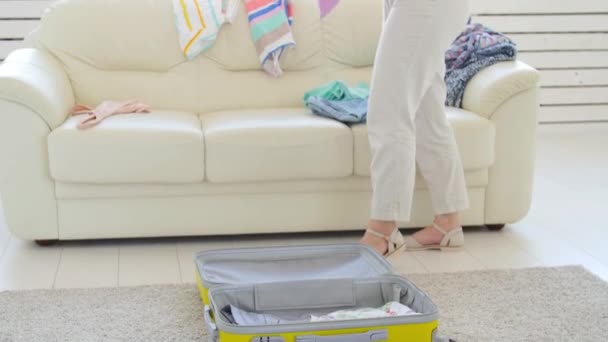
x,y
88,265
566,225
148,262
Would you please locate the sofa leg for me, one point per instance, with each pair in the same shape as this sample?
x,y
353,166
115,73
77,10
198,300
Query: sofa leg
x,y
495,227
46,243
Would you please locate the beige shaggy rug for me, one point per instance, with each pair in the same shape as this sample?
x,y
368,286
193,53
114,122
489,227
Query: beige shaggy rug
x,y
536,304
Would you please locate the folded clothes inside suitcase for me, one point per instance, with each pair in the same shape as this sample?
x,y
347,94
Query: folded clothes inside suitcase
x,y
287,286
237,316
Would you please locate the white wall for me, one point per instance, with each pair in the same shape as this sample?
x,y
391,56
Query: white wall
x,y
566,39
17,18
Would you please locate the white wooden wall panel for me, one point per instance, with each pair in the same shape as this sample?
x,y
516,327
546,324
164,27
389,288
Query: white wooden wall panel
x,y
23,8
539,6
547,23
574,95
570,113
568,42
6,46
561,41
566,59
16,29
17,19
574,77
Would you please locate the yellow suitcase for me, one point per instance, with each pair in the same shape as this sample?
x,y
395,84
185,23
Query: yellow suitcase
x,y
297,281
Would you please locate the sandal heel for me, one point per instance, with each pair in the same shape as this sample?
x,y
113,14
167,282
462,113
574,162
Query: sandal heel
x,y
452,241
395,242
396,253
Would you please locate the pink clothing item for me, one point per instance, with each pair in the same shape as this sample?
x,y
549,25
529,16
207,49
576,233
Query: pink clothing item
x,y
327,6
106,109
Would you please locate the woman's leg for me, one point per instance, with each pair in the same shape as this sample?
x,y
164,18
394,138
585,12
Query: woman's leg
x,y
436,149
402,73
439,161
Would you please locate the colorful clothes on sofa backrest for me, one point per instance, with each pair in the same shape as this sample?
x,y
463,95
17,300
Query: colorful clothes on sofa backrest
x,y
199,21
270,22
327,6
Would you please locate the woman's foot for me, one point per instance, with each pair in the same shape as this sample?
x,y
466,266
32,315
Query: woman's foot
x,y
382,227
445,232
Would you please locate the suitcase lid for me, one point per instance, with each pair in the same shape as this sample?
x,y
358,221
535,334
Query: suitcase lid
x,y
281,264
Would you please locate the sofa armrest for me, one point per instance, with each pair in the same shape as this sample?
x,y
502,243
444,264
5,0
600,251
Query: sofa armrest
x,y
35,79
496,84
508,94
35,97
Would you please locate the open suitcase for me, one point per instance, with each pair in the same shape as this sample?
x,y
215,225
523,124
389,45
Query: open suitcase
x,y
295,281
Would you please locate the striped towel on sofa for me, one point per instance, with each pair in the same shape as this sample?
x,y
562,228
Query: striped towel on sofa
x,y
270,22
198,22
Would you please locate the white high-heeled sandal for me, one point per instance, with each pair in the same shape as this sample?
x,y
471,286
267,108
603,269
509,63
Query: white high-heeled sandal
x,y
396,242
452,240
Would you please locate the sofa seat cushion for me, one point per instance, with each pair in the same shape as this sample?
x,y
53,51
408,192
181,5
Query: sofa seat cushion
x,y
158,147
474,136
274,145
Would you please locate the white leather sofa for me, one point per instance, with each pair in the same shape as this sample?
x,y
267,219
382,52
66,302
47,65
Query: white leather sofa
x,y
226,149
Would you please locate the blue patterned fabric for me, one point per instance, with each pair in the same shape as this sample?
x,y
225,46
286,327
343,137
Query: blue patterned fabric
x,y
475,49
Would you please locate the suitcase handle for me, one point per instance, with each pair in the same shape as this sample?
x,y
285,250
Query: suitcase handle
x,y
375,335
211,327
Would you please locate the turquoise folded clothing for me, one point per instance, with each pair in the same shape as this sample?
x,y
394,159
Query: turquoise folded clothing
x,y
338,90
346,111
336,100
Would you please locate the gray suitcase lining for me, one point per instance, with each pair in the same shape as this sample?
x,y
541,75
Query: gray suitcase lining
x,y
299,298
281,264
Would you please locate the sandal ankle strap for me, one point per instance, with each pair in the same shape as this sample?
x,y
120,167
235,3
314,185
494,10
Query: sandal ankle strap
x,y
441,230
379,235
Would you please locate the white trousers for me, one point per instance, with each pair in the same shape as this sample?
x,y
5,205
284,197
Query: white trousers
x,y
407,122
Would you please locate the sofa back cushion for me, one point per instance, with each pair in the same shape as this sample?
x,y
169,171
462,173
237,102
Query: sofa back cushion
x,y
114,49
